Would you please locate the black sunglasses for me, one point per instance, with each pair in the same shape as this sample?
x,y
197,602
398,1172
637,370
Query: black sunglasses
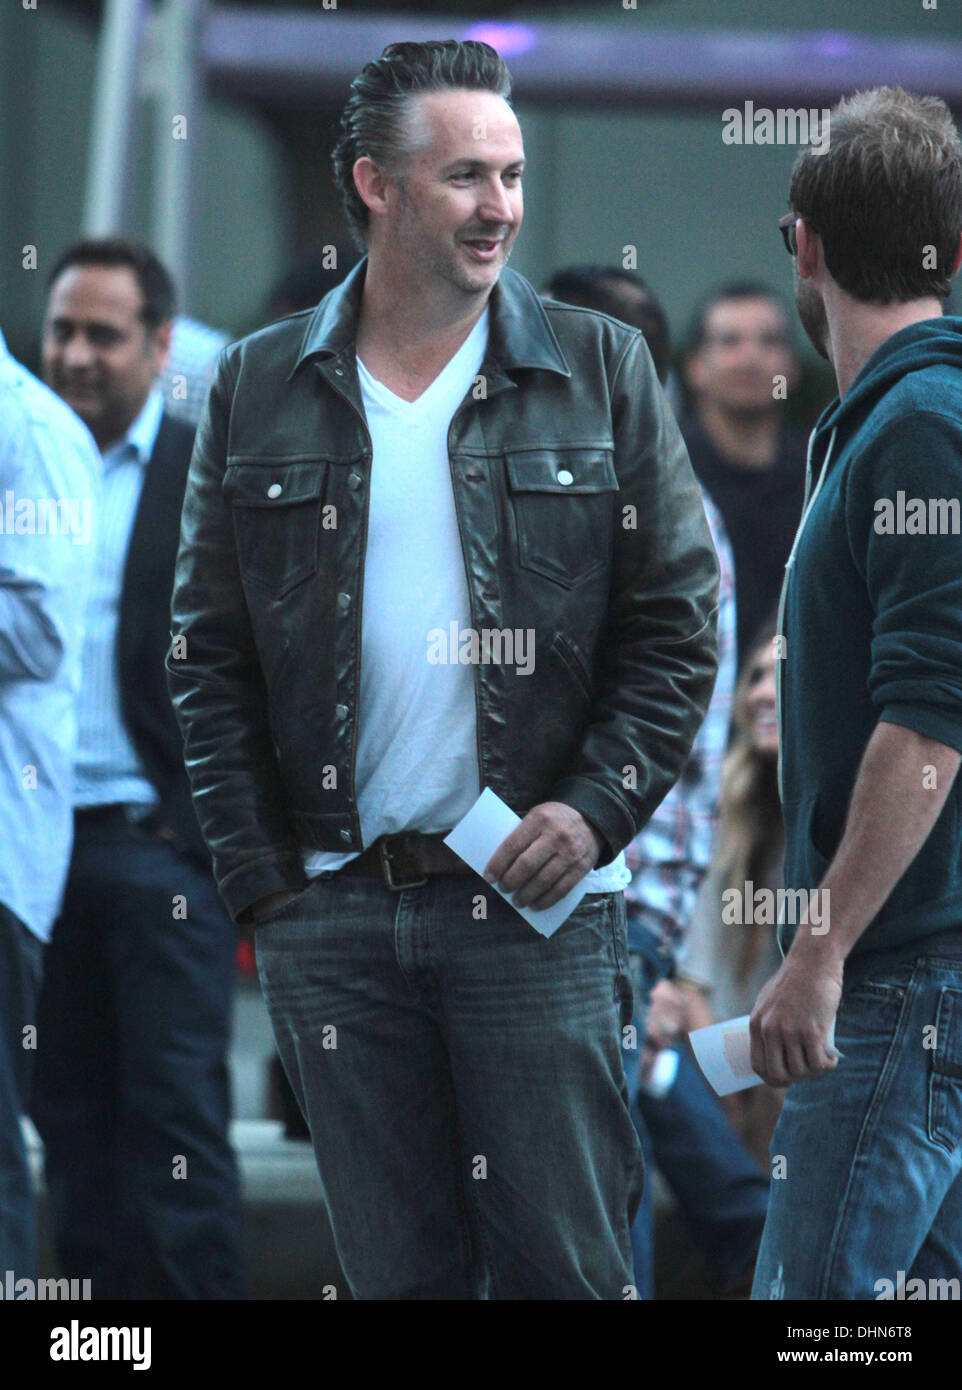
x,y
786,225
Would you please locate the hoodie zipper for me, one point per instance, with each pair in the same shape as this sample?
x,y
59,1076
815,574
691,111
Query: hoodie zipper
x,y
807,505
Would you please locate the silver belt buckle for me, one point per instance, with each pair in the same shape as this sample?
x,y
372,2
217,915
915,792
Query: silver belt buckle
x,y
385,856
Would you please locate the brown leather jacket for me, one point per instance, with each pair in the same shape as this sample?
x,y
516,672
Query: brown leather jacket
x,y
580,519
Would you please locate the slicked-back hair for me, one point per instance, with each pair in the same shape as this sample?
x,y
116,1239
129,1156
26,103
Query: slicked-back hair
x,y
886,195
733,290
373,122
153,278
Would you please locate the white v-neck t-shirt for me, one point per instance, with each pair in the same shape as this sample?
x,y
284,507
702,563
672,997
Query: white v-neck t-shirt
x,y
417,745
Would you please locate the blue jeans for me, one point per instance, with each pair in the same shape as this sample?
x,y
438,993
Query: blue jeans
x,y
462,1080
21,962
872,1149
722,1193
131,1094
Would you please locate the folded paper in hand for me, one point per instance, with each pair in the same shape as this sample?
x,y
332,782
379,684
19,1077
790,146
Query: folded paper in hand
x,y
476,837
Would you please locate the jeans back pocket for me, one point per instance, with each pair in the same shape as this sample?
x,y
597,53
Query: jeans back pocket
x,y
945,1076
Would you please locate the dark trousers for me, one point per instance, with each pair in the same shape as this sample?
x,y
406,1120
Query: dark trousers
x,y
21,959
131,1094
722,1192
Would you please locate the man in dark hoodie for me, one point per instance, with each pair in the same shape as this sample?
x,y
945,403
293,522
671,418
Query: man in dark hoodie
x,y
868,1201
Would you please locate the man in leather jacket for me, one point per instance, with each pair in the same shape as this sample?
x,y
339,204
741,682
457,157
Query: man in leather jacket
x,y
391,496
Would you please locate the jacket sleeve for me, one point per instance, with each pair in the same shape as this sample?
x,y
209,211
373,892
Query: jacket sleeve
x,y
217,687
657,658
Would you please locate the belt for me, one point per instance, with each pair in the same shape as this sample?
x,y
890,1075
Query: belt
x,y
116,813
112,811
406,860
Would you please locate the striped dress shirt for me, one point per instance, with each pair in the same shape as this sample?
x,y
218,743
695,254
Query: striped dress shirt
x,y
107,767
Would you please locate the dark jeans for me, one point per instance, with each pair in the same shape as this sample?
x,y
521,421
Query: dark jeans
x,y
721,1191
131,1094
462,1079
21,961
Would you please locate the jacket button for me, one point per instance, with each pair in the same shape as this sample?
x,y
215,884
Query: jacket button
x,y
274,490
338,371
347,837
343,602
354,481
565,477
341,711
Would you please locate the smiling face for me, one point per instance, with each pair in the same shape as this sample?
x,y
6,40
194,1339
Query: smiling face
x,y
760,700
746,345
452,213
98,354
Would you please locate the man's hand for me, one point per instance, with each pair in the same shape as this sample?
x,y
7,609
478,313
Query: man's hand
x,y
545,856
663,1026
272,903
793,1014
698,1013
890,815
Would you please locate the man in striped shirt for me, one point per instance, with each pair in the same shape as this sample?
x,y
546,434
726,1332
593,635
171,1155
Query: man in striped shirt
x,y
131,1093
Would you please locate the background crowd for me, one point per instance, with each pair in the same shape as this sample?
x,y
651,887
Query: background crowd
x,y
135,1003
119,963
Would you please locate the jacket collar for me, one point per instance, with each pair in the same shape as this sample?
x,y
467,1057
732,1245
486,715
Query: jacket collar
x,y
520,334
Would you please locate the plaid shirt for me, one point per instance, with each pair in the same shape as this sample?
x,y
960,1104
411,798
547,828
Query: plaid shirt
x,y
671,855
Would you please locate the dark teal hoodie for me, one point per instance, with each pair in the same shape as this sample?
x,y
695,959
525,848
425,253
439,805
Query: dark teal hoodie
x,y
872,615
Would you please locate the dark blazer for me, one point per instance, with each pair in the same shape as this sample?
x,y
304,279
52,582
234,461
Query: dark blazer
x,y
143,636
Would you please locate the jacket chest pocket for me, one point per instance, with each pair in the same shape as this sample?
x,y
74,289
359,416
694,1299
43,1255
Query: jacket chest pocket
x,y
563,504
277,518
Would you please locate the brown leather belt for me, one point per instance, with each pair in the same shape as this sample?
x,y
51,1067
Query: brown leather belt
x,y
406,860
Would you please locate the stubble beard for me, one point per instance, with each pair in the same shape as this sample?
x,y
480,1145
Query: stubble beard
x,y
444,262
811,314
451,266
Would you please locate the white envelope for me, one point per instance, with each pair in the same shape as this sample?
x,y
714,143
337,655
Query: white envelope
x,y
723,1051
476,837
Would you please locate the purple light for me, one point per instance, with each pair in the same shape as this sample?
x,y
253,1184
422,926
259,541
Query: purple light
x,y
508,39
833,44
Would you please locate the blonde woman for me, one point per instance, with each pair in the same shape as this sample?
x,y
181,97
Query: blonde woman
x,y
733,951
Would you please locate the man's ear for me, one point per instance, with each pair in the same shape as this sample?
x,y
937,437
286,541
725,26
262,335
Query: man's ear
x,y
958,259
371,183
809,244
159,341
693,371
